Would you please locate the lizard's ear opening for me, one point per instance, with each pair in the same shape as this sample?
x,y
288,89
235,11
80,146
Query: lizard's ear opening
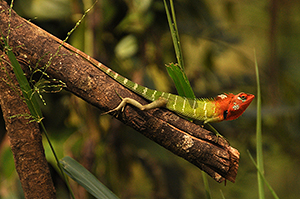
x,y
225,113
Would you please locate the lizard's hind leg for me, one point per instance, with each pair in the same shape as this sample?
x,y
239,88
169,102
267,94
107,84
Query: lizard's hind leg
x,y
155,104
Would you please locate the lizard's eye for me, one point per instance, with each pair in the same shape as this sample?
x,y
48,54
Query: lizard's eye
x,y
243,98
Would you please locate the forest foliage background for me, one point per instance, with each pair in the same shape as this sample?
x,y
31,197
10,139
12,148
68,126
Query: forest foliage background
x,y
218,38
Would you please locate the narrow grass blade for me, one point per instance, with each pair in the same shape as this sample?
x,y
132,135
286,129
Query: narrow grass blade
x,y
263,177
83,177
222,195
29,96
206,185
259,151
174,33
176,71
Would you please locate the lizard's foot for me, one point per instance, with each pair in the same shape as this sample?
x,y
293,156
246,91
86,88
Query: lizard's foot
x,y
120,107
219,135
125,101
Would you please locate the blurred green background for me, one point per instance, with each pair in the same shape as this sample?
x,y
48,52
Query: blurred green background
x,y
132,37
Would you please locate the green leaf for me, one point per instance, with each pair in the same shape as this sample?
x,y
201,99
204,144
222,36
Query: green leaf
x,y
180,80
83,177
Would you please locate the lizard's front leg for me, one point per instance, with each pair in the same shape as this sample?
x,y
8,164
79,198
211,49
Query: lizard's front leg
x,y
160,102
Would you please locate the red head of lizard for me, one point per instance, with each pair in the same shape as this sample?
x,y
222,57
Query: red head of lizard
x,y
232,106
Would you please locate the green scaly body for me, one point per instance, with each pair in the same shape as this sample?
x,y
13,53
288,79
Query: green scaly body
x,y
198,109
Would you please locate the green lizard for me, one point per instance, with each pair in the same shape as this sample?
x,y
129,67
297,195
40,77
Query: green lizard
x,y
223,107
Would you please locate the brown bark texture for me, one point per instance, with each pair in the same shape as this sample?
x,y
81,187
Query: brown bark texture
x,y
24,136
202,148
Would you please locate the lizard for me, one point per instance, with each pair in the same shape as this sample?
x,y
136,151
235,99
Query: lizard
x,y
223,107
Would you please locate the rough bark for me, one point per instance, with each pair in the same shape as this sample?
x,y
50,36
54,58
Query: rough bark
x,y
200,147
25,139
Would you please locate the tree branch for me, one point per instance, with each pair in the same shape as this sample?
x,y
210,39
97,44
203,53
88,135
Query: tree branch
x,y
185,139
25,138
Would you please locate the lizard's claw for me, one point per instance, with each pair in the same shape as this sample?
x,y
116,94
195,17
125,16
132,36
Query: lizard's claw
x,y
119,108
108,112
